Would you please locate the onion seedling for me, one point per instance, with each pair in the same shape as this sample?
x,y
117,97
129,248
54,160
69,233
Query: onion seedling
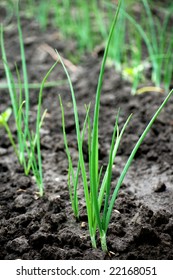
x,y
97,186
27,148
159,47
93,17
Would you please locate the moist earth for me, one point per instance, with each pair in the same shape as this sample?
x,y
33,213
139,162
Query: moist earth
x,y
44,228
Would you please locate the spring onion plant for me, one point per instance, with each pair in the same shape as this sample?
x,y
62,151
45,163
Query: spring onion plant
x,y
93,17
97,185
73,16
27,145
159,44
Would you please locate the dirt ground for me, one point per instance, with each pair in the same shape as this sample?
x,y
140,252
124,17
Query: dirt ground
x,y
44,228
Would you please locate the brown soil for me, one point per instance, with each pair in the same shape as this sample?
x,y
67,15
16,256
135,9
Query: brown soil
x,y
44,228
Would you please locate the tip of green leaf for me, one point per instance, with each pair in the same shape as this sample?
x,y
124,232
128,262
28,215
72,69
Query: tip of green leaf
x,y
4,116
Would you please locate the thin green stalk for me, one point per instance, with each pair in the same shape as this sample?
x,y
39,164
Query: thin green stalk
x,y
20,103
129,161
34,85
75,177
72,193
109,172
24,70
36,139
118,140
81,157
94,143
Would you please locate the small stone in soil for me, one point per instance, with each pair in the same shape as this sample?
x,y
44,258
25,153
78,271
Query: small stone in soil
x,y
161,187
